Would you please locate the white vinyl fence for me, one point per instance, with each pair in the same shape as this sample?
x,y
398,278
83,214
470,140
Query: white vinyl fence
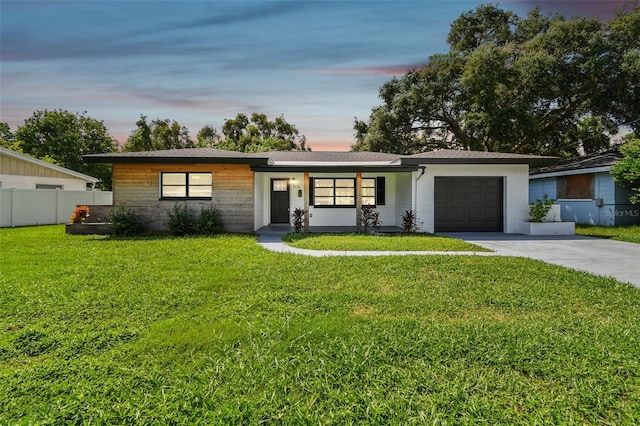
x,y
23,207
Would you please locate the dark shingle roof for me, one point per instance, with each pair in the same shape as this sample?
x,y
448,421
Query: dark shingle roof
x,y
191,155
328,156
602,159
459,154
451,156
211,155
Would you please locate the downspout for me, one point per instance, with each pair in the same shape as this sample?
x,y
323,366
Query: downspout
x,y
415,191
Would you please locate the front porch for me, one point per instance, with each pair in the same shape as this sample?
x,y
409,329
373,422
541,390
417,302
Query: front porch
x,y
333,200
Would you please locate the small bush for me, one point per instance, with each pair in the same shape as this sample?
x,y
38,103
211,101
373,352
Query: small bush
x,y
123,222
410,221
209,222
80,214
370,218
298,219
182,221
539,209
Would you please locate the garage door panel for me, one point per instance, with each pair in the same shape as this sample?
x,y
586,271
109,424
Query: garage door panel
x,y
468,204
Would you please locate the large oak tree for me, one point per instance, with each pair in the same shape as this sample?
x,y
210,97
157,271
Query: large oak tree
x,y
540,84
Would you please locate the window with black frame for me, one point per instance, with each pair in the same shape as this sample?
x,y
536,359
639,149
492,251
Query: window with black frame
x,y
334,192
185,186
341,192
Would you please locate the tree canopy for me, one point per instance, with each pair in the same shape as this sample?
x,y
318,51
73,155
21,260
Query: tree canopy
x,y
157,135
540,84
258,133
63,138
627,170
244,134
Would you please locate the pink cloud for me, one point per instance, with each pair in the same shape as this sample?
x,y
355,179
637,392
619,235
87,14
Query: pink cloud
x,y
385,70
604,10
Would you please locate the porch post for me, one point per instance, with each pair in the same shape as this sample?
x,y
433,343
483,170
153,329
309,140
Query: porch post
x,y
306,202
358,201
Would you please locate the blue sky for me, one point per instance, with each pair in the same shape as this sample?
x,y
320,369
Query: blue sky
x,y
318,63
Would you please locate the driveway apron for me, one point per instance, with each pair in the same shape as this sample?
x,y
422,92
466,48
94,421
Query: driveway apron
x,y
609,258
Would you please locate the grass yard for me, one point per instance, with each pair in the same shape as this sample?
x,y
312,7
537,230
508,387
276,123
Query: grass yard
x,y
390,242
630,234
221,331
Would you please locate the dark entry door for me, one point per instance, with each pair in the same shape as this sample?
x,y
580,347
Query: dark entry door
x,y
468,204
279,200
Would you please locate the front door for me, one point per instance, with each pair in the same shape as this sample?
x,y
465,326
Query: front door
x,y
279,200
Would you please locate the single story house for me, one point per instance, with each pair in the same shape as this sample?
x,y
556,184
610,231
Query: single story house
x,y
585,190
450,190
34,192
21,171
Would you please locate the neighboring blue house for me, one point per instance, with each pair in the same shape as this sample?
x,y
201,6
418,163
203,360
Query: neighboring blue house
x,y
585,191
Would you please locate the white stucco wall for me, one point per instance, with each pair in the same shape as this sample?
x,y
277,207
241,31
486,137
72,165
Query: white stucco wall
x,y
404,183
515,191
262,185
397,199
404,191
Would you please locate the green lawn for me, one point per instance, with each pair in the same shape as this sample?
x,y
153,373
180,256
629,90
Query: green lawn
x,y
630,234
221,331
390,242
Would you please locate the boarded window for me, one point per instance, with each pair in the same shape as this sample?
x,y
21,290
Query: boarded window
x,y
575,187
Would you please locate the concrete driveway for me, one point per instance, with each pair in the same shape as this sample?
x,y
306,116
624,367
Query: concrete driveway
x,y
598,256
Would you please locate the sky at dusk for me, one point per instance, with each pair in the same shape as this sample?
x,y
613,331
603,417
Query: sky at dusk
x,y
317,63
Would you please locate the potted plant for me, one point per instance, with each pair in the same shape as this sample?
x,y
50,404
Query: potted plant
x,y
540,222
298,219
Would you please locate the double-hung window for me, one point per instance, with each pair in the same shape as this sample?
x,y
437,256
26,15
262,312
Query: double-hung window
x,y
185,185
368,191
334,192
341,192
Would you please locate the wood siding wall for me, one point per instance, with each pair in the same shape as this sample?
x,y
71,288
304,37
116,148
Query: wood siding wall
x,y
16,166
138,186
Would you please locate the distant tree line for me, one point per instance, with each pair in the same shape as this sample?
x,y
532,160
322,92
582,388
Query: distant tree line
x,y
61,137
243,134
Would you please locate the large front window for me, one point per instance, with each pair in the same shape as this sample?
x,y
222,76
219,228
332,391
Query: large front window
x,y
334,192
185,186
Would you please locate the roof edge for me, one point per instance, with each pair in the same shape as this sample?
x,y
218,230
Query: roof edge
x,y
542,175
41,163
541,161
94,158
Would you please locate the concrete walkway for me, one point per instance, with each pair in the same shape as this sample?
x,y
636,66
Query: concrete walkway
x,y
271,239
598,256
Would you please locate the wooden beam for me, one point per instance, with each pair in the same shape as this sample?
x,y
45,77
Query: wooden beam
x,y
306,202
359,201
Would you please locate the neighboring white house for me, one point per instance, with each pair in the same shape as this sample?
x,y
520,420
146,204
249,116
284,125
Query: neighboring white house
x,y
21,171
34,192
